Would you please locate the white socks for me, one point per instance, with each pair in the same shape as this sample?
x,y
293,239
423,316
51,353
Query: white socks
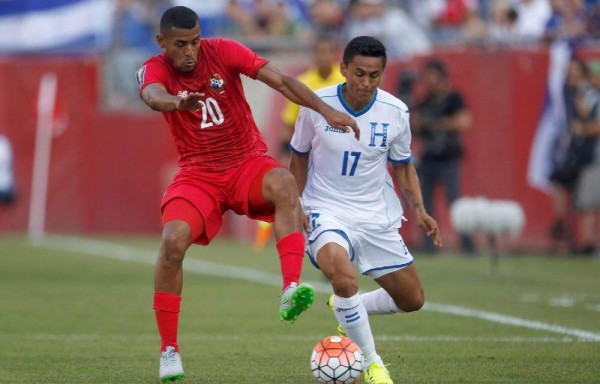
x,y
379,302
352,316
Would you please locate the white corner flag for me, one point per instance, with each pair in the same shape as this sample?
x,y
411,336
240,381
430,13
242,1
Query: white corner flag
x,y
41,158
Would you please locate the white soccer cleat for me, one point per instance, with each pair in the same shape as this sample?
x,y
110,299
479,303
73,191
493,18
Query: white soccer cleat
x,y
170,366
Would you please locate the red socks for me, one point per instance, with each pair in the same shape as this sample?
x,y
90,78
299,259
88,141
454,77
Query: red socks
x,y
291,255
166,308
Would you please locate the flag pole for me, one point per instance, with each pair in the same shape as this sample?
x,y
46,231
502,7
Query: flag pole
x,y
41,157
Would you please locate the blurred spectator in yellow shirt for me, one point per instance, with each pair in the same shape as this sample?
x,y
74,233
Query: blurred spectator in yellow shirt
x,y
323,72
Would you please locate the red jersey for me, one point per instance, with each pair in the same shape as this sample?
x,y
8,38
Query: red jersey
x,y
222,133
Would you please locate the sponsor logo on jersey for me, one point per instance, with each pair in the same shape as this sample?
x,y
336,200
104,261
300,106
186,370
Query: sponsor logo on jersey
x,y
329,128
217,83
185,93
139,75
347,309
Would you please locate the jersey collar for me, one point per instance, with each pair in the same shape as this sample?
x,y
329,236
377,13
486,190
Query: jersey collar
x,y
350,110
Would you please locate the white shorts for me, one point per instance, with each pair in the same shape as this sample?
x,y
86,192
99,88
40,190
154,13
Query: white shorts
x,y
374,253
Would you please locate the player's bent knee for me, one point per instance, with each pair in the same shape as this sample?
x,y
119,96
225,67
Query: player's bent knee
x,y
413,306
174,243
284,189
343,285
413,303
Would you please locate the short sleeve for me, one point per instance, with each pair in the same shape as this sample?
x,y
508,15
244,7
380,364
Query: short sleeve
x,y
240,57
303,132
151,72
400,147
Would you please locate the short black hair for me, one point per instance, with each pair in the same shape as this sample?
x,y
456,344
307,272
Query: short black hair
x,y
364,46
178,17
436,66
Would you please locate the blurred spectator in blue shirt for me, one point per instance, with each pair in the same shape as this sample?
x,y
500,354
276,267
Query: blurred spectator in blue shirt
x,y
592,9
136,23
260,17
568,21
327,17
400,34
212,15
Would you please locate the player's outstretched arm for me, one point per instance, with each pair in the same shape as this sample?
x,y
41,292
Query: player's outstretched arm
x,y
158,98
408,181
300,94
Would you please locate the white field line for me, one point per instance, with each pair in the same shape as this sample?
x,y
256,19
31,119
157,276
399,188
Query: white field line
x,y
85,337
132,254
511,320
42,154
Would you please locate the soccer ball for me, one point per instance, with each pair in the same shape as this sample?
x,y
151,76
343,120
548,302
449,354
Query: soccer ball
x,y
336,360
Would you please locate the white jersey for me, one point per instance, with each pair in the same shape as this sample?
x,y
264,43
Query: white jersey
x,y
347,178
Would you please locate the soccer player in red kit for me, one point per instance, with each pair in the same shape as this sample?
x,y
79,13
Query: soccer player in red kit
x,y
223,164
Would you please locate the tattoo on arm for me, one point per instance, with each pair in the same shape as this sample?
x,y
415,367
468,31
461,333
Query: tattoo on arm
x,y
409,185
412,198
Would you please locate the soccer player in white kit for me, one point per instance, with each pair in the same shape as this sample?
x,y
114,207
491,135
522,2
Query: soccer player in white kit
x,y
348,196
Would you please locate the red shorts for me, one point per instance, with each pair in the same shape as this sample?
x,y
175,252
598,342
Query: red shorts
x,y
213,194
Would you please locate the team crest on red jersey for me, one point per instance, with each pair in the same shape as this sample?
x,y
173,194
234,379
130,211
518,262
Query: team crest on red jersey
x,y
217,83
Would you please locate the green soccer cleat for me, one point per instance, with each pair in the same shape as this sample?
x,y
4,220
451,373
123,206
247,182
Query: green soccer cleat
x,y
170,366
340,330
295,299
377,374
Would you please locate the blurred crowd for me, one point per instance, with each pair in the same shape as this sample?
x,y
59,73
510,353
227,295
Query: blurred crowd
x,y
407,27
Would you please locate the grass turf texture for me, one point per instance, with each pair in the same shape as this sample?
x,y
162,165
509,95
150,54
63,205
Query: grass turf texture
x,y
70,317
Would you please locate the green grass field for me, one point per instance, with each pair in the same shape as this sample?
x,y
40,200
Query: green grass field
x,y
79,311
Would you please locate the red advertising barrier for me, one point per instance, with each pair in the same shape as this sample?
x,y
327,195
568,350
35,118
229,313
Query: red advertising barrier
x,y
109,170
